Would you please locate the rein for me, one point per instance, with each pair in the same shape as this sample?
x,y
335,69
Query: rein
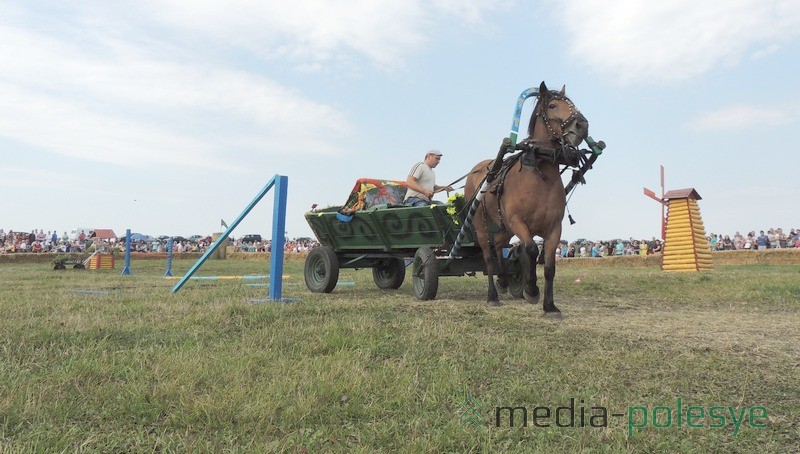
x,y
465,176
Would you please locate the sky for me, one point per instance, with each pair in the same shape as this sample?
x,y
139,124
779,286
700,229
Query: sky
x,y
166,116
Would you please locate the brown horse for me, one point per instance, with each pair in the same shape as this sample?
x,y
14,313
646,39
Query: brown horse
x,y
528,198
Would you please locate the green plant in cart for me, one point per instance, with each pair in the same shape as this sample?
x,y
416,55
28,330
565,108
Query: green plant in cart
x,y
456,207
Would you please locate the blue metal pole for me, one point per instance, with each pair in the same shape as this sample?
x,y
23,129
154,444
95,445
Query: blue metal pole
x,y
224,236
278,238
533,91
169,257
127,268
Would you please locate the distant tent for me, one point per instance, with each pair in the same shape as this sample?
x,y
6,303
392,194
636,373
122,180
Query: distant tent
x,y
142,237
103,234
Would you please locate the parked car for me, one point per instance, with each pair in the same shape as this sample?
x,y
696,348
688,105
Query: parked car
x,y
251,237
165,238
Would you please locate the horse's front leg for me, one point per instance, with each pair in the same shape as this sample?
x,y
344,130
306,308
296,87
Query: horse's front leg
x,y
527,259
502,272
488,257
550,246
530,291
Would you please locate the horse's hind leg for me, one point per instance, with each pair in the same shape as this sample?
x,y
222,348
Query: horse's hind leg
x,y
528,257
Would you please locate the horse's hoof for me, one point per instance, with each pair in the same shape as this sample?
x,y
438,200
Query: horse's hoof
x,y
493,303
531,299
555,316
501,289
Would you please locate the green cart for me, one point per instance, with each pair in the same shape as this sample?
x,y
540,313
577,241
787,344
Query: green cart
x,y
390,239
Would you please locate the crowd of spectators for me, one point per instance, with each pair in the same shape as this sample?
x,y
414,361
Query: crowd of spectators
x,y
296,245
774,238
37,241
585,248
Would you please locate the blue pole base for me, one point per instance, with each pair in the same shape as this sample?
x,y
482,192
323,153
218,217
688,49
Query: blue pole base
x,y
127,269
282,300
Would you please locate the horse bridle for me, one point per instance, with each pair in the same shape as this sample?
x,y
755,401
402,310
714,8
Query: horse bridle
x,y
564,153
563,124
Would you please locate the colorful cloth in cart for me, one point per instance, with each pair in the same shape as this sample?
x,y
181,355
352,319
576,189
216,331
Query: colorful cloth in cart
x,y
370,192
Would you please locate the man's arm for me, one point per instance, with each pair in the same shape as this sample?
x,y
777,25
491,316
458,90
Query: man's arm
x,y
413,184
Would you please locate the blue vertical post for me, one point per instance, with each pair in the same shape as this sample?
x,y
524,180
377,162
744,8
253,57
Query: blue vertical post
x,y
169,257
278,238
224,237
127,268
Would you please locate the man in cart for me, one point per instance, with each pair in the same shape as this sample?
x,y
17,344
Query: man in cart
x,y
422,181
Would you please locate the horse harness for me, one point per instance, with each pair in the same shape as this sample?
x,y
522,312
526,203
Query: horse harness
x,y
531,157
532,153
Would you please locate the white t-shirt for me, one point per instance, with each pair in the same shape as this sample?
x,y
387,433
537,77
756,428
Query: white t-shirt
x,y
424,176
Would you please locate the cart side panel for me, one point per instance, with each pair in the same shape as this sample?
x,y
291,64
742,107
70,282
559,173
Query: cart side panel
x,y
413,227
409,227
386,230
359,233
320,225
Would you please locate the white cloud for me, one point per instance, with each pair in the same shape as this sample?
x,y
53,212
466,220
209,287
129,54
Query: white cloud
x,y
765,52
105,82
129,78
111,105
635,41
26,177
303,30
70,129
318,31
741,118
471,11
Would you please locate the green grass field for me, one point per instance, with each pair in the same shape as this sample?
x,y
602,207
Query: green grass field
x,y
92,361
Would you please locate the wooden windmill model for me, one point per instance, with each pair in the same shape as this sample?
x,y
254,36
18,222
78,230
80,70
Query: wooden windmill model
x,y
686,247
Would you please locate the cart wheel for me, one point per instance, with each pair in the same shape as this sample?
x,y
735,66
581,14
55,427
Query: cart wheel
x,y
79,266
425,274
321,270
516,278
59,266
389,273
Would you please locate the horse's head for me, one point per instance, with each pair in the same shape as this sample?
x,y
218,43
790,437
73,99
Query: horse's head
x,y
561,121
